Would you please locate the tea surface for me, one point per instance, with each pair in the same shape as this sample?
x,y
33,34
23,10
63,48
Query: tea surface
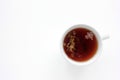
x,y
80,44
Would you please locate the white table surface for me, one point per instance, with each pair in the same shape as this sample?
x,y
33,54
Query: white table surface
x,y
30,34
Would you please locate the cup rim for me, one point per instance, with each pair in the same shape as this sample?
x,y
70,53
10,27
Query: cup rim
x,y
91,60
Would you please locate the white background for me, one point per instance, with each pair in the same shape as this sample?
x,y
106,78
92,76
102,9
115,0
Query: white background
x,y
30,34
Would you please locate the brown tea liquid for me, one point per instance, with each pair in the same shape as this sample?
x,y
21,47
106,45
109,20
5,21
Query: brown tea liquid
x,y
80,44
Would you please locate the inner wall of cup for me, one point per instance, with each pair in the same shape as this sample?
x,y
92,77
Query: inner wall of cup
x,y
98,40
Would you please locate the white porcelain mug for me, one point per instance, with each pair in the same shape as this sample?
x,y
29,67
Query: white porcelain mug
x,y
98,52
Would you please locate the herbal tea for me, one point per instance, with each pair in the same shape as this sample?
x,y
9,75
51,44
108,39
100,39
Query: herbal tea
x,y
80,44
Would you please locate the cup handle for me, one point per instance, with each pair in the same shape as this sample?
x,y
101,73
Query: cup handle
x,y
105,37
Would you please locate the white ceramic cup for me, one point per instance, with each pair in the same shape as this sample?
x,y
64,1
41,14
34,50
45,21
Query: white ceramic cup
x,y
98,52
